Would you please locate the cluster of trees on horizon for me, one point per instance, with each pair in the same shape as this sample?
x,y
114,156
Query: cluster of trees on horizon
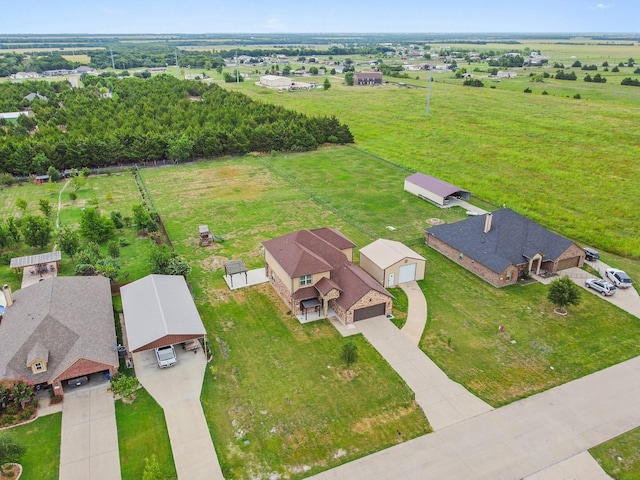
x,y
123,121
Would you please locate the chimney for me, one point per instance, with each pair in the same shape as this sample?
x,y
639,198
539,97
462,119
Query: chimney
x,y
487,222
8,296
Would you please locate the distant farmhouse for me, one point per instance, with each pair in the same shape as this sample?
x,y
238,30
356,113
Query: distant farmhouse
x,y
275,81
367,78
502,246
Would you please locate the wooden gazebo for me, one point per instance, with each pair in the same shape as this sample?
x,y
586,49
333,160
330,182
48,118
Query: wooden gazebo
x,y
39,262
233,267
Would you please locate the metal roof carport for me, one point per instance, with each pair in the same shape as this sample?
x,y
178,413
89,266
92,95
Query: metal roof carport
x,y
433,189
159,311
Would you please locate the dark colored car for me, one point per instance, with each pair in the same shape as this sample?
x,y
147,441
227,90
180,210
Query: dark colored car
x,y
78,381
591,254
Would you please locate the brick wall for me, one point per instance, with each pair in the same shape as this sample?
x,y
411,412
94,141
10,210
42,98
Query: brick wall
x,y
371,298
508,277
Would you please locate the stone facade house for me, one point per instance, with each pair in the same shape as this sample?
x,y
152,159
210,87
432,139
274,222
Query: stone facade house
x,y
58,329
502,246
314,269
367,78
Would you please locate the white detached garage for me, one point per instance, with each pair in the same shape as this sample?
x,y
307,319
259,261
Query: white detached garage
x,y
391,263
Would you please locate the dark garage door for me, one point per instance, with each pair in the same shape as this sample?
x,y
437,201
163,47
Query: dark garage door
x,y
368,312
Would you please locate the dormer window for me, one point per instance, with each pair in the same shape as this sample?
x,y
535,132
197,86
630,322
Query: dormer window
x,y
37,358
39,367
306,280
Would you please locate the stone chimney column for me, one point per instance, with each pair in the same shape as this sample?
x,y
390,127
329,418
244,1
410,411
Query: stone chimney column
x,y
487,222
6,289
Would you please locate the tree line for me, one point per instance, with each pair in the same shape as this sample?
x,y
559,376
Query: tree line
x,y
122,121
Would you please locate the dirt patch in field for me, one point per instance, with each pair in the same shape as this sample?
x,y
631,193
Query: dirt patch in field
x,y
214,263
435,221
369,424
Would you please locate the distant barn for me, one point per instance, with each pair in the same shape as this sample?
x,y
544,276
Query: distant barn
x,y
433,189
367,78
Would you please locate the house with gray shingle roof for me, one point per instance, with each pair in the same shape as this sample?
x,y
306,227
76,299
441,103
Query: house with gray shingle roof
x,y
59,329
314,269
502,246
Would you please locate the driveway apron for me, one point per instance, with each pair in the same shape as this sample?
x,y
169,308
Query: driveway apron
x,y
444,401
518,440
177,390
89,444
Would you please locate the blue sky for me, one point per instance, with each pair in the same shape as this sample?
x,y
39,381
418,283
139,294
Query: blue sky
x,y
316,16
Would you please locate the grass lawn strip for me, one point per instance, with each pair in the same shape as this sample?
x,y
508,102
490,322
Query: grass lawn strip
x,y
142,432
620,457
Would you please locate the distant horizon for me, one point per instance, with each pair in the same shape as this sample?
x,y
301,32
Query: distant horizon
x,y
139,17
501,33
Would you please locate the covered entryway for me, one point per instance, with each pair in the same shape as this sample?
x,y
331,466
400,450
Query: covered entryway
x,y
407,273
369,312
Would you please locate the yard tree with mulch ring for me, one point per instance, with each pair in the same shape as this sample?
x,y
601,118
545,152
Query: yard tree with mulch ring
x,y
564,292
349,354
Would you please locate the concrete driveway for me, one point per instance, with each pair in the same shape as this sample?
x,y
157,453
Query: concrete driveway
x,y
177,390
522,439
89,443
443,401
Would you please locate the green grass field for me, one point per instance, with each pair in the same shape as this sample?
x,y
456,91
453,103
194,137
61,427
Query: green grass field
x,y
555,159
41,440
620,457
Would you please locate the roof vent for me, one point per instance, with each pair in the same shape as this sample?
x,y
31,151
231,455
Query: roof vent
x,y
8,296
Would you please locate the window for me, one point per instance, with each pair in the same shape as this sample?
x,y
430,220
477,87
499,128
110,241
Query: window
x,y
509,275
306,280
460,256
38,367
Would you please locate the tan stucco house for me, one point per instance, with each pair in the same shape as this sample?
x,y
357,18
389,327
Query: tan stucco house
x,y
315,269
391,263
58,329
502,246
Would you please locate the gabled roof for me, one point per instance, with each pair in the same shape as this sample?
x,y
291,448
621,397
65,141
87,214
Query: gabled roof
x,y
355,283
512,239
433,184
158,306
306,252
66,318
385,253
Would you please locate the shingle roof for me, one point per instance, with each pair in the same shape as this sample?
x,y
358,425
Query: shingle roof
x,y
433,184
306,252
385,253
70,317
512,239
157,306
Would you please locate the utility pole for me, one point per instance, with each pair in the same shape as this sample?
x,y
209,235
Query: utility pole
x,y
429,93
237,72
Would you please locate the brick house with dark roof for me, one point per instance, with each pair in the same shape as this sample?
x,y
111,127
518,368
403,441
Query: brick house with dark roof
x,y
314,268
367,78
58,329
502,246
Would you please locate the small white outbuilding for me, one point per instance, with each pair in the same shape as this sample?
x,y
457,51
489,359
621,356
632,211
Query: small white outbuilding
x,y
391,263
275,81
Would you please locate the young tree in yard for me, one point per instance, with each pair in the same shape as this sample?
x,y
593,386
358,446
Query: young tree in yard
x,y
10,451
348,78
45,207
54,174
21,203
36,231
349,354
94,227
124,385
564,292
113,247
327,84
68,241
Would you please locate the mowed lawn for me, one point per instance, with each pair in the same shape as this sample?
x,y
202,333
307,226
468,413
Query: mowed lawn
x,y
279,400
557,160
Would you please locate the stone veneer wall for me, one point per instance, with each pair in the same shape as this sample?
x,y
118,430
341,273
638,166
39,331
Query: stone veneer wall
x,y
371,298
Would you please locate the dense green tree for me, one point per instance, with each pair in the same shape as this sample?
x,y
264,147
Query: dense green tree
x,y
95,227
348,78
327,84
68,241
21,203
45,207
180,149
349,354
36,231
10,450
564,292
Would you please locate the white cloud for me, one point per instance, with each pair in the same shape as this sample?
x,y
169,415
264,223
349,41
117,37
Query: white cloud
x,y
601,6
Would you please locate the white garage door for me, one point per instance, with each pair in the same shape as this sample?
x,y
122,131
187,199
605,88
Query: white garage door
x,y
407,273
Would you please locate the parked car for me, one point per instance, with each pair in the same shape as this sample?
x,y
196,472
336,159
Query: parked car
x,y
78,381
602,286
618,277
166,356
591,254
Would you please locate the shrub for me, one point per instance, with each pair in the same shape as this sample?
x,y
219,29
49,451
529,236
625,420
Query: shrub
x,y
124,385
